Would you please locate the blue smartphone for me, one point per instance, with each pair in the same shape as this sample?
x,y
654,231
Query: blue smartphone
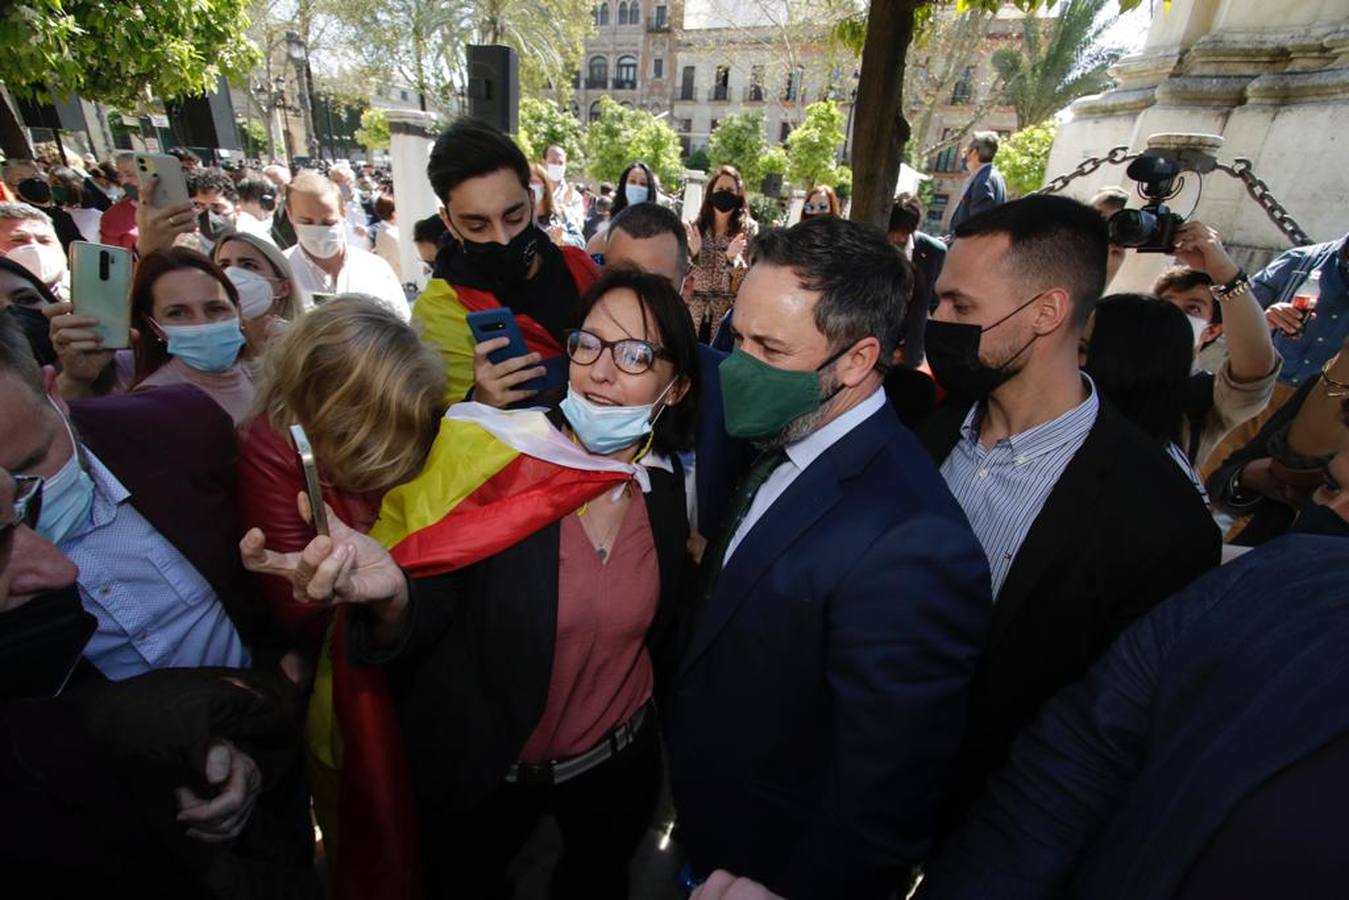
x,y
489,324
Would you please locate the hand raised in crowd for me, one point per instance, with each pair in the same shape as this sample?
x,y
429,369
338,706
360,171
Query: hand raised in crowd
x,y
160,226
79,349
345,566
735,250
722,885
695,238
221,817
1200,247
497,384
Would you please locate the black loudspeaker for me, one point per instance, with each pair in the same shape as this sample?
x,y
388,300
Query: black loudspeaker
x,y
206,121
494,86
772,185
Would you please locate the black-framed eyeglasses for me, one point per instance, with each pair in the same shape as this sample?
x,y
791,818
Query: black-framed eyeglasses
x,y
27,507
630,354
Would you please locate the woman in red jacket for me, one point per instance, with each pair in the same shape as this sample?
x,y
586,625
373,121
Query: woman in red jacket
x,y
369,395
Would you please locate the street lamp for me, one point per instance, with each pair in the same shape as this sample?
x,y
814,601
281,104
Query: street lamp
x,y
299,55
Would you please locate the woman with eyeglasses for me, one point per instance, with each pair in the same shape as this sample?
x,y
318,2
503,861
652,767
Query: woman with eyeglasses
x,y
821,201
524,680
718,245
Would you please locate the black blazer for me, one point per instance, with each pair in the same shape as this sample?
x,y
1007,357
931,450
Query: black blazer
x,y
471,670
1122,530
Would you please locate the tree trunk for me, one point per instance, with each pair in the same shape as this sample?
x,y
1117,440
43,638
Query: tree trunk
x,y
880,129
13,139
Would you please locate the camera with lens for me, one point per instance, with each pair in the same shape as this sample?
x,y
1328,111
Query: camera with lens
x,y
1151,229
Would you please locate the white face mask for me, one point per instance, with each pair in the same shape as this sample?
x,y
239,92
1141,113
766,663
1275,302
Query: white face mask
x,y
46,262
322,241
255,292
1198,325
557,172
636,193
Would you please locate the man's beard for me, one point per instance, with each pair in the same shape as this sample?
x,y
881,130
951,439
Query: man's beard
x,y
806,424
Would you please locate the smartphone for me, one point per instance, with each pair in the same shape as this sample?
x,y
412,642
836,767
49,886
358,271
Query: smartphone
x,y
172,183
489,324
100,286
311,477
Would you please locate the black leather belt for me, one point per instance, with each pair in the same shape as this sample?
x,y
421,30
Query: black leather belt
x,y
564,770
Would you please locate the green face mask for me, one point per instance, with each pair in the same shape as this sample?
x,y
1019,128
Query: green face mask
x,y
761,400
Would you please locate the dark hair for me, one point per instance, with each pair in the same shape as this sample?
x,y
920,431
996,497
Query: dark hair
x,y
1055,243
1139,355
649,220
706,214
660,301
1183,278
384,207
429,230
18,356
212,181
255,188
621,193
182,154
606,189
985,143
69,181
864,282
471,148
150,352
905,214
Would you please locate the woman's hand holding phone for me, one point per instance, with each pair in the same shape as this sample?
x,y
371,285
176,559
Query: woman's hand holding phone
x,y
159,226
344,566
79,349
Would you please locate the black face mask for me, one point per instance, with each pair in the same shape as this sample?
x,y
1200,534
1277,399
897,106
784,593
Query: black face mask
x,y
41,643
953,354
213,226
725,201
508,263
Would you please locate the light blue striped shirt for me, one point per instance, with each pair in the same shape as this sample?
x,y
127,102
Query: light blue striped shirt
x,y
154,609
1002,489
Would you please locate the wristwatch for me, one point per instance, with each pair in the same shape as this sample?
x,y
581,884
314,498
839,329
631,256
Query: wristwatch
x,y
1235,288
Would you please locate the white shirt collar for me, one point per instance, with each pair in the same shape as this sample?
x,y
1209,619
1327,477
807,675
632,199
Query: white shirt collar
x,y
809,448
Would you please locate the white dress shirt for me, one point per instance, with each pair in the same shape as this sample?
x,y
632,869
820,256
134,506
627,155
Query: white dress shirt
x,y
362,272
799,456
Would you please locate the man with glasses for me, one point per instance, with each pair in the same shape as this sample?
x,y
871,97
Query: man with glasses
x,y
821,695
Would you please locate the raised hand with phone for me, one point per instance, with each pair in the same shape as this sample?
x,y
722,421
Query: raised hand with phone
x,y
165,208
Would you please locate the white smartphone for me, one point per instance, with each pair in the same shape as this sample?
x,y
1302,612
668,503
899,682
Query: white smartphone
x,y
172,182
100,286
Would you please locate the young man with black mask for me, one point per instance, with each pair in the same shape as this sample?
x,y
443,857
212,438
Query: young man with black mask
x,y
496,257
1086,523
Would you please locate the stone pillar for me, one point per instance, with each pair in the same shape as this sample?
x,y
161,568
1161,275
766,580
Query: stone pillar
x,y
694,183
412,132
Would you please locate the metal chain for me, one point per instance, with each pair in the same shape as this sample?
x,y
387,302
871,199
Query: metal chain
x,y
1116,156
1240,169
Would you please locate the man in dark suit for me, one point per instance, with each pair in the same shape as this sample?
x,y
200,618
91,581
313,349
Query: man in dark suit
x,y
143,502
985,188
822,691
927,255
1086,522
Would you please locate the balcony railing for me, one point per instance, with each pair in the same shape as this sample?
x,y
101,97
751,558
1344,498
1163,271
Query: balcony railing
x,y
718,93
754,94
625,84
593,84
656,23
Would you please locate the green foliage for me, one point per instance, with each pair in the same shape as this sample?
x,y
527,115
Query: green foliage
x,y
774,162
115,51
550,37
842,182
254,137
1057,62
544,123
1023,156
738,141
374,131
698,160
812,149
767,211
622,136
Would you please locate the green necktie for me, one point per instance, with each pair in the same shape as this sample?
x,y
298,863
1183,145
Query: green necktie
x,y
744,499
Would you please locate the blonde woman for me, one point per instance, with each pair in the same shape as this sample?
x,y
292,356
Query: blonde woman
x,y
369,395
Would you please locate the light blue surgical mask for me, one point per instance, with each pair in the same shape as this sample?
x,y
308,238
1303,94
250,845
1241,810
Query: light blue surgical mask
x,y
67,497
608,429
636,193
212,347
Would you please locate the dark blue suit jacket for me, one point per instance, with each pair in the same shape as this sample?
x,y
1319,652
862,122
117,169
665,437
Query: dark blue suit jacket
x,y
1120,784
823,690
986,190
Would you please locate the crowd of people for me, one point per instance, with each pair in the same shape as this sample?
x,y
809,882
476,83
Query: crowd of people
x,y
886,560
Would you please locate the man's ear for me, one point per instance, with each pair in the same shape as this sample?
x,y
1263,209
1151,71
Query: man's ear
x,y
49,385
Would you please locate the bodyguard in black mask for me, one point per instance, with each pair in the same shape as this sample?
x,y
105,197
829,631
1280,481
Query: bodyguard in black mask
x,y
496,257
1086,522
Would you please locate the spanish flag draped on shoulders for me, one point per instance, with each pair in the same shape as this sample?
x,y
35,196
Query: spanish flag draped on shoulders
x,y
493,477
545,306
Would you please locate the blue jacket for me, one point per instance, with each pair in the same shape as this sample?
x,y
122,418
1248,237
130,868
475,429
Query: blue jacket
x,y
1126,775
1324,335
823,689
986,191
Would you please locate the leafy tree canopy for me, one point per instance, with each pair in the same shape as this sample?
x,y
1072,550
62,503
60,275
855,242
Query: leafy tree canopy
x,y
544,123
1022,158
622,136
812,149
738,141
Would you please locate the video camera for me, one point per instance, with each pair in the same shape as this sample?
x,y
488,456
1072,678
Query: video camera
x,y
1151,229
